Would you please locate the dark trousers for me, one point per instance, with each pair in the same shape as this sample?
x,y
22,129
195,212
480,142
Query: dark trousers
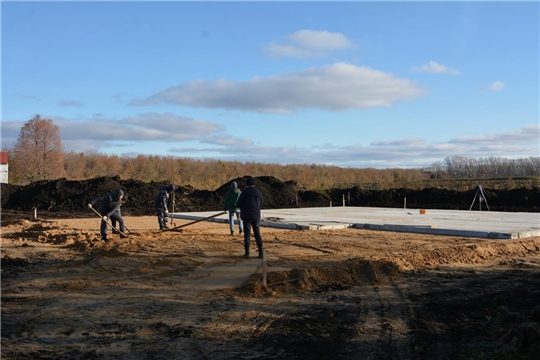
x,y
115,217
255,224
162,219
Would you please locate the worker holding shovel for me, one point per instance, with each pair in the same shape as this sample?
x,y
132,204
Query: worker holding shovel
x,y
109,208
161,204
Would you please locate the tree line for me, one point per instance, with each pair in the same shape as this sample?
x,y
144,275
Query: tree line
x,y
463,167
39,155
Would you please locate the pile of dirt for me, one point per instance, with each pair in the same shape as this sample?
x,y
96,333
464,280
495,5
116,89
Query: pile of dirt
x,y
66,198
512,200
69,198
338,275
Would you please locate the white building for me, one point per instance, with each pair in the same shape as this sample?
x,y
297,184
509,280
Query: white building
x,y
3,167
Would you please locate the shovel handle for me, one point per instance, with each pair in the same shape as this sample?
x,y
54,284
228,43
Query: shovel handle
x,y
112,227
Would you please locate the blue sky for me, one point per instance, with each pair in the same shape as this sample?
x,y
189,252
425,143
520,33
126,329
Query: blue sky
x,y
352,84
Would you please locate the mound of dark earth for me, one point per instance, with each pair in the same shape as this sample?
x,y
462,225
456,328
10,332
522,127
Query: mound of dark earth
x,y
66,198
69,198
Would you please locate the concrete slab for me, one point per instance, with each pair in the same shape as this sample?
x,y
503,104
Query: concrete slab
x,y
473,223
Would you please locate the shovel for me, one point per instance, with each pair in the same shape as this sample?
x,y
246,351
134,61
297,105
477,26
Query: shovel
x,y
112,227
196,221
131,232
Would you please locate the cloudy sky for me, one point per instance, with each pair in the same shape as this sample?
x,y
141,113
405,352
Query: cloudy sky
x,y
353,84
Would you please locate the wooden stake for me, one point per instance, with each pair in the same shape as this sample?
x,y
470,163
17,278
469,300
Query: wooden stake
x,y
264,267
172,213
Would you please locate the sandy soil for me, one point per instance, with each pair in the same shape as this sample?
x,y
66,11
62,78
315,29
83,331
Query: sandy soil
x,y
333,294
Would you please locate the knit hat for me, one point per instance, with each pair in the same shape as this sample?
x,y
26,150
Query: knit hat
x,y
234,184
250,181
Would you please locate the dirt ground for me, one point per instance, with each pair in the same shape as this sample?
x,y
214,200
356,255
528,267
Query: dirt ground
x,y
332,294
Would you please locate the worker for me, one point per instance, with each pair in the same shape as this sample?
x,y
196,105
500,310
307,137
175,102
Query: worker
x,y
109,208
232,208
161,204
250,203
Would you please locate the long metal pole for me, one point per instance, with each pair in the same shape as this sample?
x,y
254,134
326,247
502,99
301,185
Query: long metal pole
x,y
196,221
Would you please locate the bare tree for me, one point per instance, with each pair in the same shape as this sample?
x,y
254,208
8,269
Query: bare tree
x,y
39,153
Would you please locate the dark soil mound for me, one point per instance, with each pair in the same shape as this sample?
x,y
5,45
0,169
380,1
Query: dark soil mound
x,y
517,200
69,198
61,198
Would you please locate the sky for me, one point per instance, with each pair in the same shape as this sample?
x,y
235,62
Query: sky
x,y
352,84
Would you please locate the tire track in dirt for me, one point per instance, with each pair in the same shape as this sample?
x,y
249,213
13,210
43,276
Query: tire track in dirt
x,y
383,328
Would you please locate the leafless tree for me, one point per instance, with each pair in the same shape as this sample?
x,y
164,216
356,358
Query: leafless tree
x,y
39,153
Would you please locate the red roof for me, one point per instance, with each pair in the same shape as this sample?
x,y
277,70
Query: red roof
x,y
3,157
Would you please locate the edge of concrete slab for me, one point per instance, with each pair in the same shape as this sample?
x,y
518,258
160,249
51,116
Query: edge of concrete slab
x,y
435,229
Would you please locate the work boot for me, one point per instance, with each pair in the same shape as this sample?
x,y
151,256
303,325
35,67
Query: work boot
x,y
232,233
104,238
245,256
122,236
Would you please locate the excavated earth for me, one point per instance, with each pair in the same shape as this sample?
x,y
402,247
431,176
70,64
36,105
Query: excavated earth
x,y
187,294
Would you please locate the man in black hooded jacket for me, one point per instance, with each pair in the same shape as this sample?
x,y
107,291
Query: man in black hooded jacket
x,y
250,203
109,208
161,203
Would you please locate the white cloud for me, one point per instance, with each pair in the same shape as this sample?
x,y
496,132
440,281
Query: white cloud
x,y
280,50
70,103
205,139
308,43
413,152
144,127
320,40
435,68
495,86
76,134
334,87
529,134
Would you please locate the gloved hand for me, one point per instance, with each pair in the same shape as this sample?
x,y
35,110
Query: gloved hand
x,y
105,218
166,213
89,206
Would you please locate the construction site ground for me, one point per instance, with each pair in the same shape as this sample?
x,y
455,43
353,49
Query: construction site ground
x,y
333,293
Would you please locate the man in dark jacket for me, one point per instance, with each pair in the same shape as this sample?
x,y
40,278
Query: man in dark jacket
x,y
250,203
231,197
161,204
109,208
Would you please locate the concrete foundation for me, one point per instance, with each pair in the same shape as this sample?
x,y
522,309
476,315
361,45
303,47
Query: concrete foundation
x,y
473,223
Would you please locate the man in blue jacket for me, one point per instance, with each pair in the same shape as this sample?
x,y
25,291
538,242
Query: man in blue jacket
x,y
109,208
250,203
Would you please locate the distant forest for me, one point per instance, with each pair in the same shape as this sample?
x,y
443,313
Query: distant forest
x,y
454,172
39,155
